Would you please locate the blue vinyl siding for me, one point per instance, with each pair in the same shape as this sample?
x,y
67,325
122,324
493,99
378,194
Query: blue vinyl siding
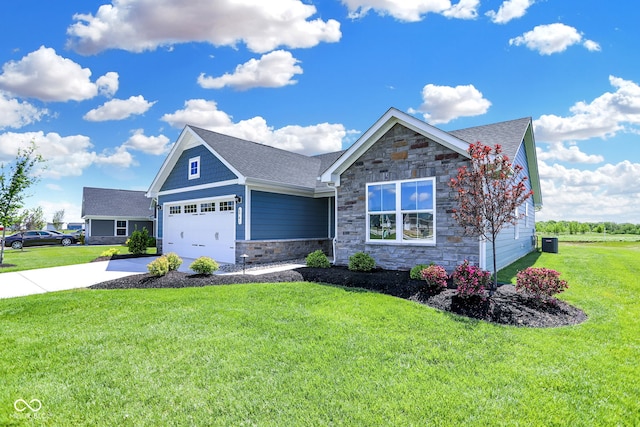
x,y
508,248
235,189
282,216
211,170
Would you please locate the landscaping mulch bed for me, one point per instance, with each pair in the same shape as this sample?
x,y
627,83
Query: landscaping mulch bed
x,y
506,306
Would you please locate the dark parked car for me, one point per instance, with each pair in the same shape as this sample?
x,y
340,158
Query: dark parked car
x,y
37,238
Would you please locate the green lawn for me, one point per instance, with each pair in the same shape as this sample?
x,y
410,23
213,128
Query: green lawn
x,y
53,256
307,354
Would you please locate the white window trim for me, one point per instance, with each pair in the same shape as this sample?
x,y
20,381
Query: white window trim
x,y
398,212
192,160
116,228
517,225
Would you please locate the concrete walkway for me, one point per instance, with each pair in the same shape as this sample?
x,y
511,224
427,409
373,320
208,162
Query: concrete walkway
x,y
39,281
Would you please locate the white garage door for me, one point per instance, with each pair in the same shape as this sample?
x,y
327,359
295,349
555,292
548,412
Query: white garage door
x,y
202,228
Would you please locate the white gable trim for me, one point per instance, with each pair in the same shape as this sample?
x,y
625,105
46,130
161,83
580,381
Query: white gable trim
x,y
187,139
375,132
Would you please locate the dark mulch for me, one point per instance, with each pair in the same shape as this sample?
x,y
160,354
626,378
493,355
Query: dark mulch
x,y
506,306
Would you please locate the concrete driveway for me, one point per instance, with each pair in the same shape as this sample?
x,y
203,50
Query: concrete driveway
x,y
38,281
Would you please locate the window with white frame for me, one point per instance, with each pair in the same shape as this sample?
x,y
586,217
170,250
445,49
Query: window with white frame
x,y
173,210
401,211
194,167
121,228
193,208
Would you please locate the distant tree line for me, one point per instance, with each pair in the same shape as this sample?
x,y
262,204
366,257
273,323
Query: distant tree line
x,y
575,227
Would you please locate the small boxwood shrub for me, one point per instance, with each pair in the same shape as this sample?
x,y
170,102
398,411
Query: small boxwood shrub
x,y
174,261
435,277
470,280
361,261
204,265
317,259
110,252
159,267
541,283
416,272
138,241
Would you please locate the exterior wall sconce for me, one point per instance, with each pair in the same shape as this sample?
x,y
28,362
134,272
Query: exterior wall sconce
x,y
238,199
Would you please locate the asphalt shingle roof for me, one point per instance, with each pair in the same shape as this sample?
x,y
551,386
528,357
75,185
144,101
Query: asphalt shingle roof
x,y
115,203
508,134
263,162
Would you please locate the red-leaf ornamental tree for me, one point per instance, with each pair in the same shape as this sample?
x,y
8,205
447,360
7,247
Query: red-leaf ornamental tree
x,y
488,195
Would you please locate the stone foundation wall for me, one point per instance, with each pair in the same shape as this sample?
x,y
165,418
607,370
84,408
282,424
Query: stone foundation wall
x,y
263,251
399,155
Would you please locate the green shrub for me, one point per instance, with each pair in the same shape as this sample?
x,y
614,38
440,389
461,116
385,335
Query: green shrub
x,y
151,242
361,261
317,259
159,267
416,272
174,261
204,265
138,241
110,252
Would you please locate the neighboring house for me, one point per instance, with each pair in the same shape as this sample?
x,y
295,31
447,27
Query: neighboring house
x,y
75,226
387,195
112,215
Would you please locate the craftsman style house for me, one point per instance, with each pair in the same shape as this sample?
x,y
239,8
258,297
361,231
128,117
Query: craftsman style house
x,y
388,195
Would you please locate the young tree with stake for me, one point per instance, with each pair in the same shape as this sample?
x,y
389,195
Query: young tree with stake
x,y
13,185
488,195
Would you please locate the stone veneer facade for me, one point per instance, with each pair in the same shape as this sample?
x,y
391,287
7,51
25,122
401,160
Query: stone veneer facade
x,y
264,251
398,155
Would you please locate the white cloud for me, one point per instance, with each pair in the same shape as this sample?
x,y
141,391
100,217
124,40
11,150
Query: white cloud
x,y
108,84
464,9
142,25
510,9
572,154
148,144
603,117
274,69
610,191
15,114
413,11
119,109
441,104
65,156
314,139
44,75
552,38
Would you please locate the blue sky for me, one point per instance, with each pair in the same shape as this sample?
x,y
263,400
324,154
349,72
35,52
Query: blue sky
x,y
104,89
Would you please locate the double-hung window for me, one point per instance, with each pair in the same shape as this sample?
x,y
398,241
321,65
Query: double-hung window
x,y
194,167
121,228
401,211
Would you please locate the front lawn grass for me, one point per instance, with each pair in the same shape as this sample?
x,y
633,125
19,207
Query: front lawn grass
x,y
309,354
53,256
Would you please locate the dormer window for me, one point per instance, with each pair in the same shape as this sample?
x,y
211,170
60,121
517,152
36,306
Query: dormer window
x,y
194,167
